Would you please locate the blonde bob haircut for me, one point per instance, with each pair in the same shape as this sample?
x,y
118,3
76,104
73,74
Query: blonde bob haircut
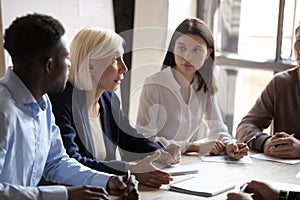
x,y
90,43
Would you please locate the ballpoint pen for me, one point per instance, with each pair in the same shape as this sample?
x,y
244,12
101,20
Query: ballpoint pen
x,y
126,181
162,146
244,187
127,177
246,144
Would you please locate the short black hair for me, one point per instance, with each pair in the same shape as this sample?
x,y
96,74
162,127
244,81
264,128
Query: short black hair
x,y
31,35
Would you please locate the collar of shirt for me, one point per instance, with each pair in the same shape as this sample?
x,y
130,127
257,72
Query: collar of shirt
x,y
22,95
172,83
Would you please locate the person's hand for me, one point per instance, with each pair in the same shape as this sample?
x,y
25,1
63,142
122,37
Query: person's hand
x,y
172,156
217,148
282,145
238,196
116,186
146,173
86,192
131,192
234,151
262,191
258,190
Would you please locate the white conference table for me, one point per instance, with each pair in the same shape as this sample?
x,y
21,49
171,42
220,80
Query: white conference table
x,y
234,173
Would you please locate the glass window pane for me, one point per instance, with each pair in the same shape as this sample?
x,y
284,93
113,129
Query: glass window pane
x,y
249,85
291,21
255,24
258,28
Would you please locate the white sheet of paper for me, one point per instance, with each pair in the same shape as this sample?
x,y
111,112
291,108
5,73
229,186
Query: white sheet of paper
x,y
262,156
282,185
226,159
298,175
178,169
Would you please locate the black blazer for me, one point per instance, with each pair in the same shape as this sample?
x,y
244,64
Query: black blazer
x,y
71,115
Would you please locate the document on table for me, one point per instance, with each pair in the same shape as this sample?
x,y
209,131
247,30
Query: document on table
x,y
298,175
178,169
201,186
262,156
226,159
283,185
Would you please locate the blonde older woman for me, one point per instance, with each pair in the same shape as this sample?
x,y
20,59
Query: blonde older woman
x,y
89,115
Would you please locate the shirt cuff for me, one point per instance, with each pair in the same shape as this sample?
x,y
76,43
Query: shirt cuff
x,y
101,181
54,192
258,143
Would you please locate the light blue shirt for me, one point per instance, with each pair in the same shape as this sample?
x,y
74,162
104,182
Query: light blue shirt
x,y
31,147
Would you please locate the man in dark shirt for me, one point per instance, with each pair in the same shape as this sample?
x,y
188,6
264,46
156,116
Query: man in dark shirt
x,y
280,103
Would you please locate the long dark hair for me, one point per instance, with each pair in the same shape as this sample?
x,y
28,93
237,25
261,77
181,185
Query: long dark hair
x,y
205,75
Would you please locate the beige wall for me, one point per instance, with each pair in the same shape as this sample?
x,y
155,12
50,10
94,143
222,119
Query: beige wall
x,y
73,14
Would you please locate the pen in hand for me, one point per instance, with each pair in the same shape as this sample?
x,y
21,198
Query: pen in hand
x,y
162,146
244,188
127,177
131,186
246,144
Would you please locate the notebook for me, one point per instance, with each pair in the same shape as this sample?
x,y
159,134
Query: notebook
x,y
201,187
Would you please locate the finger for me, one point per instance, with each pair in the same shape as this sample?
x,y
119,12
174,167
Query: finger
x,y
281,149
133,195
158,181
153,178
168,157
96,195
218,148
281,134
287,153
178,159
280,141
155,174
98,189
103,196
160,173
221,145
153,182
120,183
130,186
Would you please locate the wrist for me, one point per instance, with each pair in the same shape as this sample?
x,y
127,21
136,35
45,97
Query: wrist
x,y
130,166
108,185
193,147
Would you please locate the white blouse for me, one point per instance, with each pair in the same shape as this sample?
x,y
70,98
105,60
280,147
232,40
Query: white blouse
x,y
164,113
97,134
